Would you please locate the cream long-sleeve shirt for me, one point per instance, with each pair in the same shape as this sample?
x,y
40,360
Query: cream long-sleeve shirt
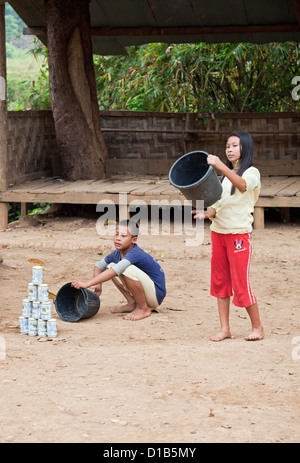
x,y
234,212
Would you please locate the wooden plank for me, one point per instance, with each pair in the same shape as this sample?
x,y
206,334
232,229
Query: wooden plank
x,y
160,189
266,184
278,201
152,31
291,190
145,189
118,187
29,177
278,183
75,186
108,186
30,186
278,166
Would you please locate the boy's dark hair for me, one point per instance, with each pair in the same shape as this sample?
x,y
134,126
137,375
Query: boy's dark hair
x,y
132,226
247,152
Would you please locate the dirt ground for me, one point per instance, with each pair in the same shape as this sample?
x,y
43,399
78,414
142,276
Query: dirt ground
x,y
158,380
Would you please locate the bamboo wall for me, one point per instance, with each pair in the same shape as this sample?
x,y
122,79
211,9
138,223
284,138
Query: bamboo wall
x,y
31,144
132,136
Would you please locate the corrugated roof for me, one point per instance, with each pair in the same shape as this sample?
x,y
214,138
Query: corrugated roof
x,y
119,23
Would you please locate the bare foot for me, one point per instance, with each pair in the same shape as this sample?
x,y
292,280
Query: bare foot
x,y
255,335
124,308
221,336
138,314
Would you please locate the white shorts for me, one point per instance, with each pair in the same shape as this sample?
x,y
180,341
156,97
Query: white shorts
x,y
136,274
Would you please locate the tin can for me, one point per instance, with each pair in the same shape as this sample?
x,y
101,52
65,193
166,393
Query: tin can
x,y
23,322
46,310
42,328
51,328
37,275
43,294
32,292
32,326
26,308
36,310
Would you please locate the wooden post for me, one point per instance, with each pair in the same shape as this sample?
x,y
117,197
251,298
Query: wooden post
x,y
259,218
3,118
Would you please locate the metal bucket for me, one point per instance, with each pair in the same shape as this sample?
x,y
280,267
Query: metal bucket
x,y
196,179
74,304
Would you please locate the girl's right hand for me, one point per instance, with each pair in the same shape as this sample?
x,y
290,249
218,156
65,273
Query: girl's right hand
x,y
201,215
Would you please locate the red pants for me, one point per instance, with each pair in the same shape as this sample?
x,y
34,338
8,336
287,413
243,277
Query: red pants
x,y
230,263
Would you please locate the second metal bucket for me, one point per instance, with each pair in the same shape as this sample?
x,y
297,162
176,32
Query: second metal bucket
x,y
196,179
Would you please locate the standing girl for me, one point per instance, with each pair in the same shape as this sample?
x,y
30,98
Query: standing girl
x,y
231,229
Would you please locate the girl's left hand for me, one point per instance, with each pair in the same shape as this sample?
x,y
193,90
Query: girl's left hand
x,y
78,284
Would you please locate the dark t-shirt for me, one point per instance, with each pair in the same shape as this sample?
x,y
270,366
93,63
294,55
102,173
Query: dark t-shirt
x,y
141,259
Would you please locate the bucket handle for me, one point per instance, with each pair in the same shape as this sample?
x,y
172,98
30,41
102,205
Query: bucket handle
x,y
85,295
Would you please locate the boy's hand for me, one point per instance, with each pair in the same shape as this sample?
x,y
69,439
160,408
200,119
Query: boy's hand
x,y
78,284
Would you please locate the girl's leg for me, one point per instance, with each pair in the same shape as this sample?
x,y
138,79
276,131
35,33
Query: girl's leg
x,y
257,332
239,249
223,308
221,283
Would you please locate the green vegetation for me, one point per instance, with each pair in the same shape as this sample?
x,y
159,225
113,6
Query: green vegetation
x,y
165,77
200,78
27,76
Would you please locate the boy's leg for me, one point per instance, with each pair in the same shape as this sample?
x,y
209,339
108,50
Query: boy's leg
x,y
139,290
131,304
141,310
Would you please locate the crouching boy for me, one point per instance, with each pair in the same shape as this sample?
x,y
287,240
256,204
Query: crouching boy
x,y
134,272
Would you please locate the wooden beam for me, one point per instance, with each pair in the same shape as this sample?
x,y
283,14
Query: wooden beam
x,y
177,31
3,120
297,9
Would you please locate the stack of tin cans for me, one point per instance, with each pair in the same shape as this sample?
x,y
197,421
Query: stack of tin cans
x,y
36,319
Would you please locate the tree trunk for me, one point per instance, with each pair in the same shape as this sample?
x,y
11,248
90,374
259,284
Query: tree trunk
x,y
73,90
3,120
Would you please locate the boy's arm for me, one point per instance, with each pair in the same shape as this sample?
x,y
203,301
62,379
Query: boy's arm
x,y
108,274
98,288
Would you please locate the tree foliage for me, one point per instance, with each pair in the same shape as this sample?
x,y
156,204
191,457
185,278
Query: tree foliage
x,y
200,77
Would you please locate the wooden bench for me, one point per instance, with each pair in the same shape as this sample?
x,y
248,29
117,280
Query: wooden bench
x,y
280,191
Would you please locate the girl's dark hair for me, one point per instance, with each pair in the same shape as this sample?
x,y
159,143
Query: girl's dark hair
x,y
247,152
